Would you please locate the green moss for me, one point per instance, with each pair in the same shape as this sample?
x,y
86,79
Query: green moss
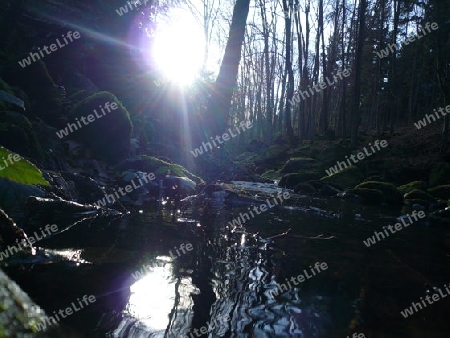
x,y
347,178
291,180
419,194
246,159
274,153
441,191
369,196
157,166
392,194
271,175
107,136
412,186
296,164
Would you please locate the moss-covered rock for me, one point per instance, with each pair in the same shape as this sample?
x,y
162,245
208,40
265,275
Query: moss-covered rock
x,y
108,135
304,188
271,175
160,167
296,164
422,185
324,189
247,160
17,134
439,174
391,193
80,95
374,178
291,180
273,154
368,196
419,194
331,154
347,178
441,191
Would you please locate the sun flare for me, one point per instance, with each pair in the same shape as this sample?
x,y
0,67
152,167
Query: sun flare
x,y
178,48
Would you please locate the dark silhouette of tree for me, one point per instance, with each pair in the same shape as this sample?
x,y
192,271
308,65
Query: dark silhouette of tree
x,y
218,107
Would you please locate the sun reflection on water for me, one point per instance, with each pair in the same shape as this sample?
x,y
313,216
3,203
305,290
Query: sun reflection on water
x,y
160,301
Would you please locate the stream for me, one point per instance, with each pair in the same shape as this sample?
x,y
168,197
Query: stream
x,y
209,277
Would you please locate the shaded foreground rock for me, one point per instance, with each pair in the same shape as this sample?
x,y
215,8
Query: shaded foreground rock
x,y
19,316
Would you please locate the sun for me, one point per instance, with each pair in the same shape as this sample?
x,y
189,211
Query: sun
x,y
178,48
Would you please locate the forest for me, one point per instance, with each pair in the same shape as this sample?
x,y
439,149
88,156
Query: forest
x,y
224,168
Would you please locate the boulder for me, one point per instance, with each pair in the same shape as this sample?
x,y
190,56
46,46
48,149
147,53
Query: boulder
x,y
368,196
392,195
291,180
420,195
412,186
296,164
441,191
304,188
108,135
346,178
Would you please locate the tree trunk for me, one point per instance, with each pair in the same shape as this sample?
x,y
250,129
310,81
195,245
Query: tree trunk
x,y
217,109
355,115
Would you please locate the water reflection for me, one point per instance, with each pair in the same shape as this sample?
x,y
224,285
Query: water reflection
x,y
246,271
160,304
